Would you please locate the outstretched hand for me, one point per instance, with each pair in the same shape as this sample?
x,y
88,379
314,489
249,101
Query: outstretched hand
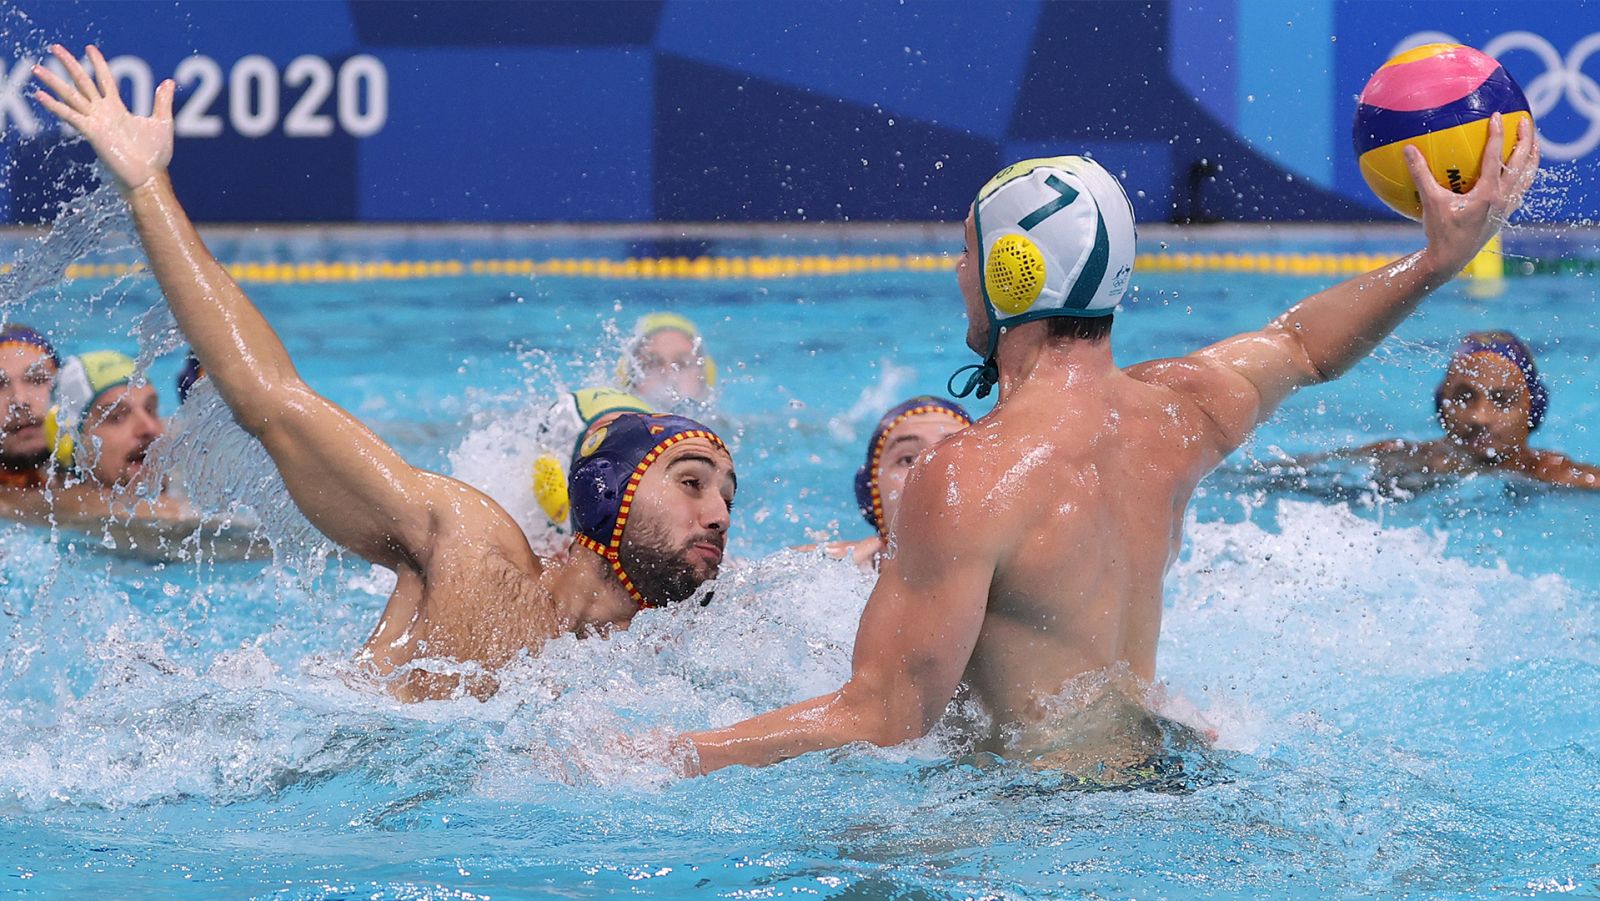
x,y
1458,225
136,149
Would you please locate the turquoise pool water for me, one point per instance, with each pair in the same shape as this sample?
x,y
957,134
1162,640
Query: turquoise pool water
x,y
1404,689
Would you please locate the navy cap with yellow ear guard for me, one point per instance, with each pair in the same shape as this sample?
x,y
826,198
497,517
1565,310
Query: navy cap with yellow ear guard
x,y
1055,238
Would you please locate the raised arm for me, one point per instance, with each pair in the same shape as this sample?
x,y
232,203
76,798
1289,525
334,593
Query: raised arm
x,y
350,484
916,637
1242,380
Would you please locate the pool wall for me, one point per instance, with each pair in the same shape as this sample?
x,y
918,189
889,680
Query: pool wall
x,y
688,111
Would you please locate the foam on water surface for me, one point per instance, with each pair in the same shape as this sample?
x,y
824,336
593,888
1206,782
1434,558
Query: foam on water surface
x,y
1340,699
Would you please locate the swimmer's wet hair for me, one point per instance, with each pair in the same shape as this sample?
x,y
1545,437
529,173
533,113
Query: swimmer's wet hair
x,y
1078,328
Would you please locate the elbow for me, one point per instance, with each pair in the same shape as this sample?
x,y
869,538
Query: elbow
x,y
891,718
1313,370
260,402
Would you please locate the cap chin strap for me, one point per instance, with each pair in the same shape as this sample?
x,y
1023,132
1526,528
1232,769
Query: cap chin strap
x,y
614,559
985,374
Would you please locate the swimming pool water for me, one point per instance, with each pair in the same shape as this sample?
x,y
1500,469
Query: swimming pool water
x,y
1403,688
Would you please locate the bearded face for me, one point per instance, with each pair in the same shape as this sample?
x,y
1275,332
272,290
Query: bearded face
x,y
26,374
666,571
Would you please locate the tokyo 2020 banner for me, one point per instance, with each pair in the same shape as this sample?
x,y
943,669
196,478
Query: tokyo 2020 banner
x,y
681,110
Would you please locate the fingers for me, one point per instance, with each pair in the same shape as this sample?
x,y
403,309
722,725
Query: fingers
x,y
62,111
69,95
1525,156
163,108
102,74
1524,164
79,77
1493,152
1421,175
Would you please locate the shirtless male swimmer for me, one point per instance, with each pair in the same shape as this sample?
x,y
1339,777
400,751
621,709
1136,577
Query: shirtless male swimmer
x,y
1032,545
650,494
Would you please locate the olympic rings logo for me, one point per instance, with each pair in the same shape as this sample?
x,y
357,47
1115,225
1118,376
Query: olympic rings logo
x,y
1561,79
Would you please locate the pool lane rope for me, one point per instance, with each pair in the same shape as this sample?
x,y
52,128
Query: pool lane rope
x,y
1490,265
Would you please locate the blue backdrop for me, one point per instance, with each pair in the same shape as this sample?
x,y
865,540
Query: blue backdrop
x,y
814,110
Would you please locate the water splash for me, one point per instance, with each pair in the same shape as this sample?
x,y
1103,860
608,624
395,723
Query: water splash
x,y
887,391
507,433
1321,609
228,476
90,225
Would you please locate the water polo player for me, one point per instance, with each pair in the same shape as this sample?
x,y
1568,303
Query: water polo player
x,y
1031,547
104,420
469,590
28,366
901,436
1490,402
665,363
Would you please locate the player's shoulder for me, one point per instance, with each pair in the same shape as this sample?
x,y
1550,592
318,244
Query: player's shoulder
x,y
1222,400
1191,375
464,518
952,474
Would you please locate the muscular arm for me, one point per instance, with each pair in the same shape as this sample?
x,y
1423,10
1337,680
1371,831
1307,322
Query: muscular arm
x,y
1242,380
351,485
916,636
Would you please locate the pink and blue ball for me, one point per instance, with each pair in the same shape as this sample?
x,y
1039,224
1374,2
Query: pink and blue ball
x,y
1438,97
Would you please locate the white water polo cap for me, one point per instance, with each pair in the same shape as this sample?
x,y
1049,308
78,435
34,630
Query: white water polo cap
x,y
1055,238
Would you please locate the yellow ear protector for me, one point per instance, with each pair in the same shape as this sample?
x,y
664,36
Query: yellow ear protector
x,y
1014,274
60,443
550,487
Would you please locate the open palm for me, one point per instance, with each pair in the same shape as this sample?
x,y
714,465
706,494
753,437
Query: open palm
x,y
135,149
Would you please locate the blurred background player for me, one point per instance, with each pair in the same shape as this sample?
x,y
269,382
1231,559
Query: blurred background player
x,y
902,434
1490,402
103,423
98,436
665,364
28,367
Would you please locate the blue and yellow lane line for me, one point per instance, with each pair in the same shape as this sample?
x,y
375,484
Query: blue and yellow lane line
x,y
1491,265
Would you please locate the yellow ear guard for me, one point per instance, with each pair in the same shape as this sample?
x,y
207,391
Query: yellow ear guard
x,y
1014,274
550,487
60,443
